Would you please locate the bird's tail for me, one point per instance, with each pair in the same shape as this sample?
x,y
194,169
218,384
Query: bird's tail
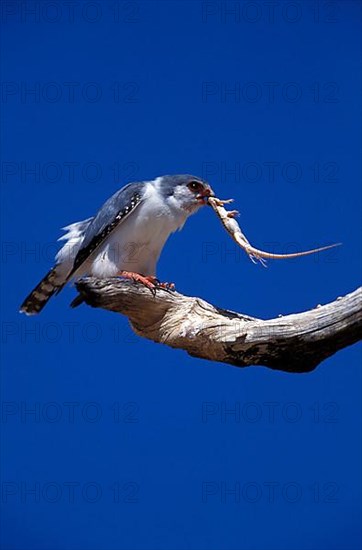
x,y
51,284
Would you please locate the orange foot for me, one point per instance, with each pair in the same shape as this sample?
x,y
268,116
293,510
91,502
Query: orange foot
x,y
158,284
149,281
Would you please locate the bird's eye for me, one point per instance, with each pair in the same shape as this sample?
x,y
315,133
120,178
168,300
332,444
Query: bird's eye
x,y
194,185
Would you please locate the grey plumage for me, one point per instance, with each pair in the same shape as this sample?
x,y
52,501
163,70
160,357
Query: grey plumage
x,y
114,211
82,239
127,234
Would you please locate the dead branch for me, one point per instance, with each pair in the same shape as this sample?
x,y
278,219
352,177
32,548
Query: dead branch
x,y
293,343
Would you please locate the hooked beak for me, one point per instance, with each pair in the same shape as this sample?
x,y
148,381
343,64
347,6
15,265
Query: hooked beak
x,y
202,197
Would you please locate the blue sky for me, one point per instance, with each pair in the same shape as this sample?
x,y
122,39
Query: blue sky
x,y
132,445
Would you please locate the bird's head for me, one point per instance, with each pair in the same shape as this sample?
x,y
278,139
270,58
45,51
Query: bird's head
x,y
185,191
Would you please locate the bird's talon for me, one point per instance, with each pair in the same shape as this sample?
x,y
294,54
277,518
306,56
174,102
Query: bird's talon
x,y
149,281
166,286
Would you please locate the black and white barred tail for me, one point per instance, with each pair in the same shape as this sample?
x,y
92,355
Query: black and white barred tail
x,y
52,283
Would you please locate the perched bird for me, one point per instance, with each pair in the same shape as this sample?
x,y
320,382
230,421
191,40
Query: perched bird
x,y
126,236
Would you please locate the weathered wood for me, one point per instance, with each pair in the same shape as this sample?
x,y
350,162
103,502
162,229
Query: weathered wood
x,y
293,343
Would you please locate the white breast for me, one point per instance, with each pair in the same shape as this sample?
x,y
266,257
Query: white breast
x,y
136,244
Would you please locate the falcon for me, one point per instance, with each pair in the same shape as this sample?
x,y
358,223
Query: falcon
x,y
125,238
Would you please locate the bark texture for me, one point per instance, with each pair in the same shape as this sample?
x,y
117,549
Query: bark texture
x,y
293,343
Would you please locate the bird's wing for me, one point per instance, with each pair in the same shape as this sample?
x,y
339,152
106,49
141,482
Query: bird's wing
x,y
114,211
